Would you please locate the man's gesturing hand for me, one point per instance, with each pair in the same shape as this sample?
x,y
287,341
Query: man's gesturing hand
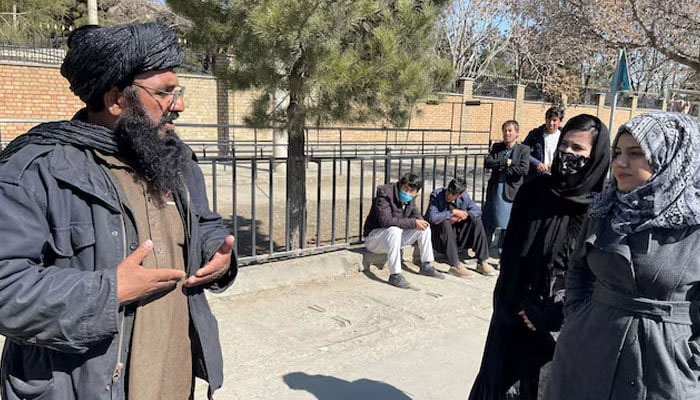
x,y
214,268
135,282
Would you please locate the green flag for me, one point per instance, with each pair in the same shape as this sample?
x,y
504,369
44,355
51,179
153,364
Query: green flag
x,y
621,78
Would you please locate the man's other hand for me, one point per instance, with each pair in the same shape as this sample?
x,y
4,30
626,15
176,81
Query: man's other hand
x,y
422,224
215,268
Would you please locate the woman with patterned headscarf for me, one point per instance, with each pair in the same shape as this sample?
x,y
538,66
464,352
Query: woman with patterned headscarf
x,y
633,287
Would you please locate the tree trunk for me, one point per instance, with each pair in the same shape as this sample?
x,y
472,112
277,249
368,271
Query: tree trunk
x,y
296,163
92,12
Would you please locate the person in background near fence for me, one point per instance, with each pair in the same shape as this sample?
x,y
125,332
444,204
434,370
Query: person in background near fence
x,y
509,162
681,106
546,218
543,142
455,222
632,290
393,222
108,242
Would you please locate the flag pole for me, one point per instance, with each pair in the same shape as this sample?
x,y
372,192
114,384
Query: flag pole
x,y
611,126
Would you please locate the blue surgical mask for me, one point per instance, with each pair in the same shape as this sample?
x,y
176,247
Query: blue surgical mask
x,y
405,197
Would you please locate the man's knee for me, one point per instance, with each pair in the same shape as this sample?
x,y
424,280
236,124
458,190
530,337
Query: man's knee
x,y
425,232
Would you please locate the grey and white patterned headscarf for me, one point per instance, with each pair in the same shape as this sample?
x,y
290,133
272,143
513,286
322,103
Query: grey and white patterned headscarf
x,y
671,197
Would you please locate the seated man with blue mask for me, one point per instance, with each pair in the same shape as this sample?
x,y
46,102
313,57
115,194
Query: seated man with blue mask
x,y
394,221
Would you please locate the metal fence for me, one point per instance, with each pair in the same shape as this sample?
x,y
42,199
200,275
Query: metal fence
x,y
334,141
250,192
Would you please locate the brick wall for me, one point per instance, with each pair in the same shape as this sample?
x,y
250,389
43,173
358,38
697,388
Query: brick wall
x,y
36,92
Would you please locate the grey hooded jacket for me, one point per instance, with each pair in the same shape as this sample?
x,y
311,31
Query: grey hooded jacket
x,y
64,228
631,317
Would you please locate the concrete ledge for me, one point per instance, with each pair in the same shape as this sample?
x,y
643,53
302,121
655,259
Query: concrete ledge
x,y
301,270
277,274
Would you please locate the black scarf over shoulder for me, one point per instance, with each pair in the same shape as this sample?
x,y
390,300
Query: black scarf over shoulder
x,y
545,221
76,132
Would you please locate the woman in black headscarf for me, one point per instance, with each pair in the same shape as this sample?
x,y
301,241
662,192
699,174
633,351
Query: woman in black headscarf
x,y
545,221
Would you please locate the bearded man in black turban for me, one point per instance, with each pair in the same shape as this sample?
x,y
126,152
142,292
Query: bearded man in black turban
x,y
108,240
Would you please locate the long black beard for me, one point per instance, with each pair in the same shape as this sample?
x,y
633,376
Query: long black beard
x,y
158,159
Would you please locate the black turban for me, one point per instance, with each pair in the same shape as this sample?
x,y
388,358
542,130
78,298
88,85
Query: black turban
x,y
100,58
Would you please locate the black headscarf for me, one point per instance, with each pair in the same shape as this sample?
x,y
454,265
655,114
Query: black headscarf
x,y
592,178
100,58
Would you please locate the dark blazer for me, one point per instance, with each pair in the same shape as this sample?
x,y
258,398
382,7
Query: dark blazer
x,y
387,210
514,174
439,209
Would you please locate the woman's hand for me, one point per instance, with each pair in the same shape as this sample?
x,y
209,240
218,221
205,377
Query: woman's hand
x,y
526,321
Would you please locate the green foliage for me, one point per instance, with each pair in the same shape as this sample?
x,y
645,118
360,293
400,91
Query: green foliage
x,y
31,18
344,60
40,19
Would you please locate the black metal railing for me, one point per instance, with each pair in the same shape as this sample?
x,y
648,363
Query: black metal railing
x,y
250,192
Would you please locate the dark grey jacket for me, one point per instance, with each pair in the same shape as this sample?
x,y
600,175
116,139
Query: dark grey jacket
x,y
387,210
514,174
631,321
63,231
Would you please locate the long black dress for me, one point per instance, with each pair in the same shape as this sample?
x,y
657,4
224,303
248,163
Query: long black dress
x,y
545,221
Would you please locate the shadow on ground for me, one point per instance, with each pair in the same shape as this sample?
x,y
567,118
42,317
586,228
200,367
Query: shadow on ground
x,y
326,387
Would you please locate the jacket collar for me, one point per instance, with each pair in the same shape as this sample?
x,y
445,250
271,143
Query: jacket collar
x,y
601,235
79,169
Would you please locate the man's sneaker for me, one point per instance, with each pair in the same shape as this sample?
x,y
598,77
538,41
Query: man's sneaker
x,y
460,271
428,270
485,268
399,281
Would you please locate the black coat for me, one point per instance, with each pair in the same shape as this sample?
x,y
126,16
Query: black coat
x,y
540,237
497,162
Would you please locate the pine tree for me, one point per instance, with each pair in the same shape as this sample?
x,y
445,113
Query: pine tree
x,y
336,60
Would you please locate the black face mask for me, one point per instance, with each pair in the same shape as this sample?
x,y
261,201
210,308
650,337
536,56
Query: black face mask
x,y
568,163
569,169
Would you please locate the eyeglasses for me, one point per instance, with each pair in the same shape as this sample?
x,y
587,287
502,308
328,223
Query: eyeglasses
x,y
177,93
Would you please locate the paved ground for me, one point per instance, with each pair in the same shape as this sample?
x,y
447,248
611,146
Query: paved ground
x,y
354,338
